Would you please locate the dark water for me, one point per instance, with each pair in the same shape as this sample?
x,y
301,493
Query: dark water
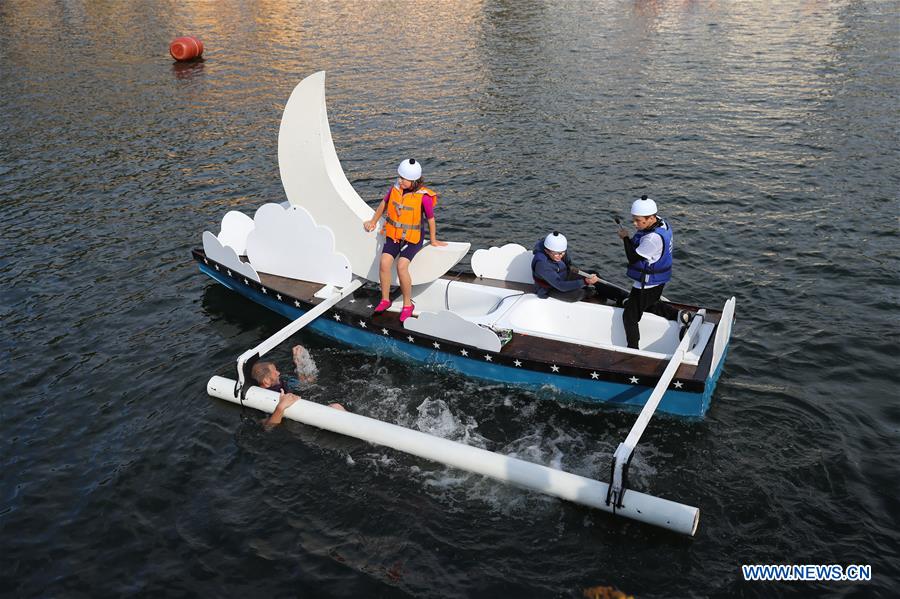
x,y
768,134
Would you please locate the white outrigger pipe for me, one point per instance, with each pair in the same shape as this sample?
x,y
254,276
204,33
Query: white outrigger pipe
x,y
266,346
564,485
625,450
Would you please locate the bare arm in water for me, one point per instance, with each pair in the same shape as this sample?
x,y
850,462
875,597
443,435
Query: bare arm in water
x,y
285,400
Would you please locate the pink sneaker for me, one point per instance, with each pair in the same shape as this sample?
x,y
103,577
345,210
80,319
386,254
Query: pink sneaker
x,y
406,312
382,306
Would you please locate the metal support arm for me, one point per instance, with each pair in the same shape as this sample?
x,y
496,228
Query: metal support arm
x,y
625,451
247,359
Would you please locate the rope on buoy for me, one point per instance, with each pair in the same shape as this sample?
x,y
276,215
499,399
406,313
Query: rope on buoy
x,y
186,48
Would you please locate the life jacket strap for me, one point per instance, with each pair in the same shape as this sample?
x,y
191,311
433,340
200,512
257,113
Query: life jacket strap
x,y
394,223
399,206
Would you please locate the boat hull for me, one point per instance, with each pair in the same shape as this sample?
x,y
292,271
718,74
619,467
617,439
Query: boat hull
x,y
685,403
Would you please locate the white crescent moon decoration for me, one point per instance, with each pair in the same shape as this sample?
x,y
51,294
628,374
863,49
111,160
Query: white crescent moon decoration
x,y
314,179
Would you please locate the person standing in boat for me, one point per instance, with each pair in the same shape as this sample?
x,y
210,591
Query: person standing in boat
x,y
556,277
407,203
649,254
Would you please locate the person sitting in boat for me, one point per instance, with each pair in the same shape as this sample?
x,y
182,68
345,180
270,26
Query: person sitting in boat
x,y
649,254
405,203
556,277
267,376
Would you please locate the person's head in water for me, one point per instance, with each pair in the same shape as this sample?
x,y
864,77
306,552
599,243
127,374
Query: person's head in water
x,y
265,374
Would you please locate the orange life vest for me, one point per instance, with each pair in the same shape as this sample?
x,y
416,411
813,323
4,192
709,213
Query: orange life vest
x,y
404,214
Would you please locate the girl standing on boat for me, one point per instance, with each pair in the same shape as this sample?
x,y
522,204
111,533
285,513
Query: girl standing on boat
x,y
405,203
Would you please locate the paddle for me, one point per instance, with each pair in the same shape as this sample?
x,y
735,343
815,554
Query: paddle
x,y
581,273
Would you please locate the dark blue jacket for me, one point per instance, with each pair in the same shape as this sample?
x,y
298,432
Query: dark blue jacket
x,y
551,274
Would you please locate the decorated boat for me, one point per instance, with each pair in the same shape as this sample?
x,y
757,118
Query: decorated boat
x,y
310,259
487,323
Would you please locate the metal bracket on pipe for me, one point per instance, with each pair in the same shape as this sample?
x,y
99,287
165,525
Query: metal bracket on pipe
x,y
245,367
247,359
618,476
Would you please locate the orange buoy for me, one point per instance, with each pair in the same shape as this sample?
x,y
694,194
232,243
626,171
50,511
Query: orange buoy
x,y
186,48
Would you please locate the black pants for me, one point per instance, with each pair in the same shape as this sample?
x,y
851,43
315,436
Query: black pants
x,y
600,290
610,293
576,295
640,301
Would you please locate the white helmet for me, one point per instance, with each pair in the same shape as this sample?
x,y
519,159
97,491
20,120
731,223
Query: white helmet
x,y
555,242
410,169
643,207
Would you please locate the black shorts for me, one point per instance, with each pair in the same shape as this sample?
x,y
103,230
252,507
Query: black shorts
x,y
403,248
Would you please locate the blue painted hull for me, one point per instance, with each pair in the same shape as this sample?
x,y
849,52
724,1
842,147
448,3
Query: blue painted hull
x,y
680,403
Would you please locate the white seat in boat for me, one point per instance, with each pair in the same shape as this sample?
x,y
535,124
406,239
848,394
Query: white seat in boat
x,y
482,304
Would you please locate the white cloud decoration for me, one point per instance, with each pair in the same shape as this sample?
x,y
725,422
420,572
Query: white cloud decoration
x,y
512,262
226,256
236,226
287,242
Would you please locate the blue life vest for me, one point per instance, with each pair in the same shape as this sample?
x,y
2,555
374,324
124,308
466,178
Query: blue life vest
x,y
660,271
